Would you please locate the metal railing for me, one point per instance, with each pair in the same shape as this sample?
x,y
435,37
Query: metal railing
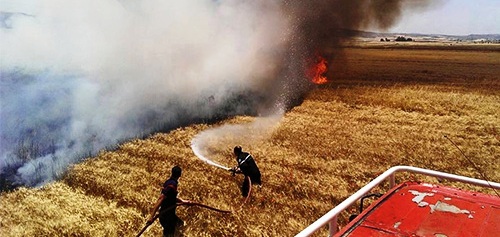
x,y
330,217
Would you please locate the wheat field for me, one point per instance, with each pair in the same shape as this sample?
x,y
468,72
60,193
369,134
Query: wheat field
x,y
384,106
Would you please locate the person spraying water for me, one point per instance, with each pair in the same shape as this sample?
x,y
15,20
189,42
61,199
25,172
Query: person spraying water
x,y
247,166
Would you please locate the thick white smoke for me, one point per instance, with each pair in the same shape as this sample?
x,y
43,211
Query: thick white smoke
x,y
80,76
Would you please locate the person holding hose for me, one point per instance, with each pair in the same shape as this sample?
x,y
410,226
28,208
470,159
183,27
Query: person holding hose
x,y
247,166
167,204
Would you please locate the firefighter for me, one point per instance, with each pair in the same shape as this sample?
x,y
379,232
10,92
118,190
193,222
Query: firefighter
x,y
167,203
247,166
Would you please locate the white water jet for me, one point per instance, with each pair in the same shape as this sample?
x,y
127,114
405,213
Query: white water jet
x,y
207,143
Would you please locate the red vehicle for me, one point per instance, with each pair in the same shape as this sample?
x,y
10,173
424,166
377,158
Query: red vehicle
x,y
419,209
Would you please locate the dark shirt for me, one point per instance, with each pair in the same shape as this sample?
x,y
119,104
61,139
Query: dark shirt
x,y
247,164
170,192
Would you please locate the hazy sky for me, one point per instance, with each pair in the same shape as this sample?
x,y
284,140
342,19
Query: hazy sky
x,y
454,17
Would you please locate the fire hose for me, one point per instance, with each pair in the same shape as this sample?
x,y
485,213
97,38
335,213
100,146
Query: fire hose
x,y
249,190
234,171
179,204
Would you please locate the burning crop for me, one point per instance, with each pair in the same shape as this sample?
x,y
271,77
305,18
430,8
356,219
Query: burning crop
x,y
317,71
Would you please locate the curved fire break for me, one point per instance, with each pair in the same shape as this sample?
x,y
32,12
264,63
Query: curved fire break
x,y
330,217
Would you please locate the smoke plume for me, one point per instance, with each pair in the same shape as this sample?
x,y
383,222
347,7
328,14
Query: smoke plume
x,y
77,77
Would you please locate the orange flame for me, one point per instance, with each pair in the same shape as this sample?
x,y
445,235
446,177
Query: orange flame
x,y
317,71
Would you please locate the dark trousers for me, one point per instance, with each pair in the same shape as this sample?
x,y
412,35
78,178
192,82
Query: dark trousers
x,y
245,187
169,221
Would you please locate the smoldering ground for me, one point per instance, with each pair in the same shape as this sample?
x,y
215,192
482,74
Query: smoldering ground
x,y
78,77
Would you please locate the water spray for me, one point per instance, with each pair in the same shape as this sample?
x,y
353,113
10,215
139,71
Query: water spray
x,y
248,133
197,152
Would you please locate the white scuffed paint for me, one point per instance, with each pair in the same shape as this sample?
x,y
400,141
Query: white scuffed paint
x,y
439,206
396,225
445,207
419,197
423,204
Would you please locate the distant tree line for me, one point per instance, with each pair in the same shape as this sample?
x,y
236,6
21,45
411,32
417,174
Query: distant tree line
x,y
402,38
399,39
